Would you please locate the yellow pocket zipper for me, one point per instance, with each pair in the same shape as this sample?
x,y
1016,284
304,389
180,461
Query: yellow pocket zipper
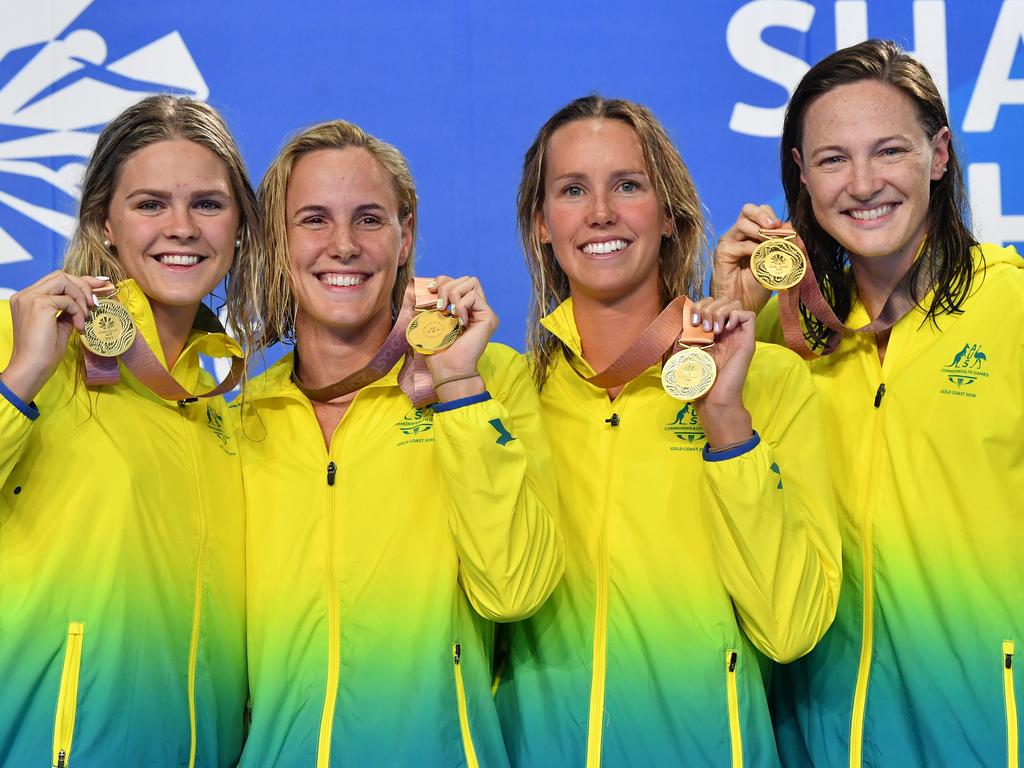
x,y
734,709
67,698
460,691
1011,705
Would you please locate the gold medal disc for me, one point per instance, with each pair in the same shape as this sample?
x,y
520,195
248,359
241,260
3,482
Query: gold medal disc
x,y
432,331
689,374
109,329
778,263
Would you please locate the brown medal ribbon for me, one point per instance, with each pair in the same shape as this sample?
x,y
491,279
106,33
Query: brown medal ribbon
x,y
896,306
144,365
414,378
651,346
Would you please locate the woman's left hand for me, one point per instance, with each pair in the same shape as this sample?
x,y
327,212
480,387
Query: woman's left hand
x,y
726,420
457,365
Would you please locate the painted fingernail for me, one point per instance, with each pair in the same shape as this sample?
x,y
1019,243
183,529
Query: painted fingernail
x,y
451,309
707,325
695,319
440,303
718,328
432,284
95,301
101,277
462,322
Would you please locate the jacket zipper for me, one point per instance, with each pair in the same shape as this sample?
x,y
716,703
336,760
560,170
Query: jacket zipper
x,y
197,607
323,750
595,729
460,692
67,698
735,734
1011,705
860,693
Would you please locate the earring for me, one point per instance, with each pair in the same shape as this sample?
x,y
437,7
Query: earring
x,y
238,243
106,244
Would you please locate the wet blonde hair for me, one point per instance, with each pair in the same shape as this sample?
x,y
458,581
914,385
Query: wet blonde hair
x,y
151,120
683,252
277,297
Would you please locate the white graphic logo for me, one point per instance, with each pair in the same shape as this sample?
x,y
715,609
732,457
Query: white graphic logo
x,y
60,95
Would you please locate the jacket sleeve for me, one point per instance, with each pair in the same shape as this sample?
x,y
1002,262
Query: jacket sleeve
x,y
16,417
773,520
496,462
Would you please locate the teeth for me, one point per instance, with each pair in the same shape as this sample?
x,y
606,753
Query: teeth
x,y
874,213
343,279
610,247
179,260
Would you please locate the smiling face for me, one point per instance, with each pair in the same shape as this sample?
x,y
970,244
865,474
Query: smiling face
x,y
600,212
346,240
868,167
173,221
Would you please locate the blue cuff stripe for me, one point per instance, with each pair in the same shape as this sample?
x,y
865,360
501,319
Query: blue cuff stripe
x,y
27,409
462,402
732,453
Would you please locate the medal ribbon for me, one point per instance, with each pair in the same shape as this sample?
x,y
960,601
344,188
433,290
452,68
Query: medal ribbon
x,y
144,365
414,378
896,306
650,346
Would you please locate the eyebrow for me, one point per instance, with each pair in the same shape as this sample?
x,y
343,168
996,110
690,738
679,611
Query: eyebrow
x,y
322,209
623,172
163,194
879,142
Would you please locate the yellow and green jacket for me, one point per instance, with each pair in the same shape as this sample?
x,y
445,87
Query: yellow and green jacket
x,y
121,569
377,566
919,667
680,572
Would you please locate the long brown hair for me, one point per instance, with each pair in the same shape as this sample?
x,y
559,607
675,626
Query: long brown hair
x,y
948,243
681,258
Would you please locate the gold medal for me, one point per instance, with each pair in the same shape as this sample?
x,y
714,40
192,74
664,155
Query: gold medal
x,y
778,263
689,374
432,331
109,329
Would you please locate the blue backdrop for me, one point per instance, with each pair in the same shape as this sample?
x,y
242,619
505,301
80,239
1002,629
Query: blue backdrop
x,y
461,88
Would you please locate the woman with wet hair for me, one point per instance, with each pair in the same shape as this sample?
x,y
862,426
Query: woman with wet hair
x,y
920,373
389,526
699,535
121,530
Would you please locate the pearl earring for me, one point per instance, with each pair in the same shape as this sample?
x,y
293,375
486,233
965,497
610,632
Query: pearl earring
x,y
106,243
238,243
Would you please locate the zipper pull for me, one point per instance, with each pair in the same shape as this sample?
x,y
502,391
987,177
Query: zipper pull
x,y
61,759
879,395
457,654
732,662
332,470
614,420
187,401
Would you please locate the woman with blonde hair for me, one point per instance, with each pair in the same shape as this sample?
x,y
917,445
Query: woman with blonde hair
x,y
386,534
121,531
699,535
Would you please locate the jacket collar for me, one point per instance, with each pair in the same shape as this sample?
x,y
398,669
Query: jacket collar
x,y
277,381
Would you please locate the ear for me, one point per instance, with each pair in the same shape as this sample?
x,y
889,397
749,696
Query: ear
x,y
403,254
799,164
666,227
107,233
541,227
940,153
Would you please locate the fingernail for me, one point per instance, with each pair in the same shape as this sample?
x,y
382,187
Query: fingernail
x,y
695,319
440,303
95,301
462,323
101,277
707,325
451,309
432,284
718,328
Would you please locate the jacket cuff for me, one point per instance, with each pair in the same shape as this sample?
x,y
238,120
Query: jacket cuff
x,y
462,402
731,453
27,409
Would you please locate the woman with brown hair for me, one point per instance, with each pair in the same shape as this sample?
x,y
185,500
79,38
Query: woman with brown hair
x,y
121,530
698,534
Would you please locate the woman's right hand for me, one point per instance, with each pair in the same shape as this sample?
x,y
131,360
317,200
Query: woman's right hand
x,y
43,316
733,279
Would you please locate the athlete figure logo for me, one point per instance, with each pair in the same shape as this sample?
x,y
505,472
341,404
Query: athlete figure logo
x,y
62,91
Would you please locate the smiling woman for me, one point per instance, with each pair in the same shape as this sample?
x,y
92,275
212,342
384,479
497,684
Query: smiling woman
x,y
121,535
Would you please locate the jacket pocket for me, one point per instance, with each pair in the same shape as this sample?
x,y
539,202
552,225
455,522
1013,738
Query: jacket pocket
x,y
732,696
1011,705
460,693
67,697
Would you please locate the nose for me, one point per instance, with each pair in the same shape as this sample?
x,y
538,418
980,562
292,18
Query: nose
x,y
342,244
181,225
602,211
864,182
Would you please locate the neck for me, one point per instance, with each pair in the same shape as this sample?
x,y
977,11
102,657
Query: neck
x,y
173,325
607,329
329,354
876,277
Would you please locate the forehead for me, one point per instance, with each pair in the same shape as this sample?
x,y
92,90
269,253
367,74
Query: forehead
x,y
337,176
592,146
173,163
863,110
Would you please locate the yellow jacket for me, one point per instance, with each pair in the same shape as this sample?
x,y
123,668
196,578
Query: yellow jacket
x,y
121,569
677,569
928,451
376,567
